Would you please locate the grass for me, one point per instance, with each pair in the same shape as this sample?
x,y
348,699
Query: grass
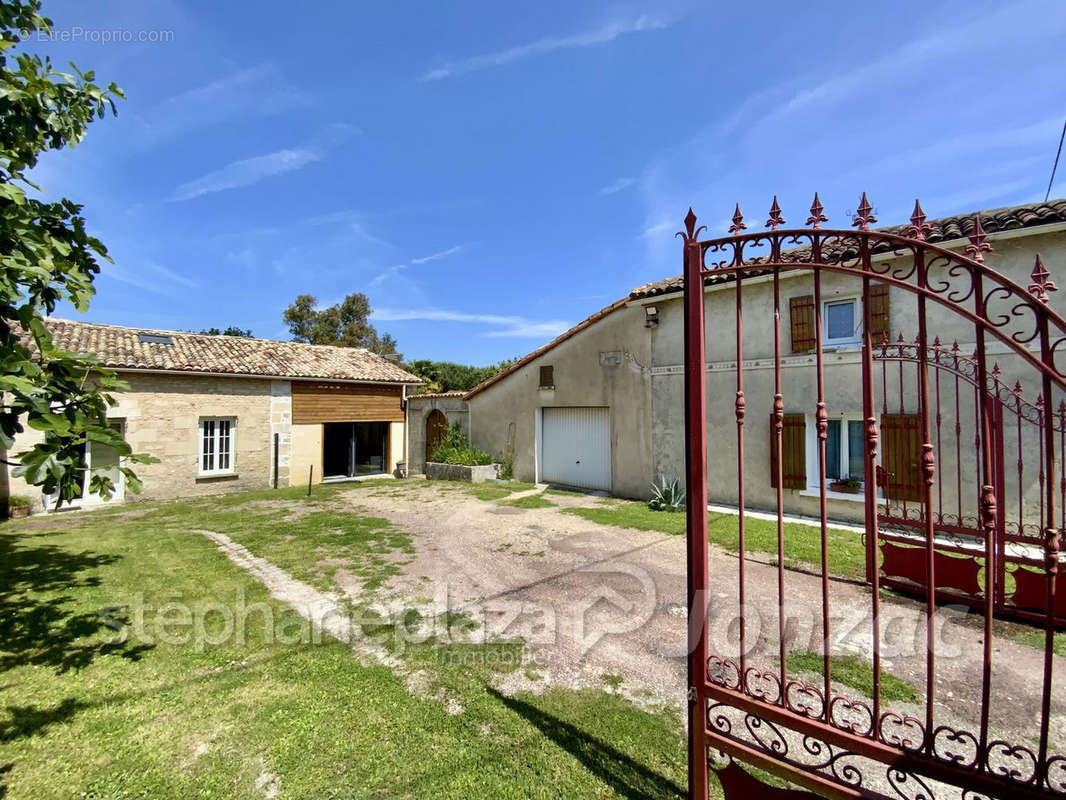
x,y
1034,637
529,501
87,715
847,555
855,672
566,492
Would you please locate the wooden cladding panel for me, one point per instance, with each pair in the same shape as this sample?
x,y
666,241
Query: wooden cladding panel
x,y
321,401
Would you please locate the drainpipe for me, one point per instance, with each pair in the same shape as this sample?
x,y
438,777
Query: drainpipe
x,y
406,430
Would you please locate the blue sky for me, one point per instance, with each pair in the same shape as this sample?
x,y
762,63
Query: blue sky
x,y
489,175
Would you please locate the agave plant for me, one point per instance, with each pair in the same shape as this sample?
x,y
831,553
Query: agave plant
x,y
666,495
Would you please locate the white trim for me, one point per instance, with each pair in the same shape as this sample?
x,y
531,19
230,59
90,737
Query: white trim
x,y
856,310
216,452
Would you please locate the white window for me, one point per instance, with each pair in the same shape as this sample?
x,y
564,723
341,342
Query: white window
x,y
217,445
844,456
841,321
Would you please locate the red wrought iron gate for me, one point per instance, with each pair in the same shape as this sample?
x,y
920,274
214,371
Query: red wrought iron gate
x,y
749,704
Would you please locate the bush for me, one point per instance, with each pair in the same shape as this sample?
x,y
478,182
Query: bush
x,y
455,449
19,501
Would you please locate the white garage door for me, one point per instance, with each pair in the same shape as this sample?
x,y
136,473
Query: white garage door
x,y
576,447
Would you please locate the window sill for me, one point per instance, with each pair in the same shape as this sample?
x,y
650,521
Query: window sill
x,y
207,477
844,496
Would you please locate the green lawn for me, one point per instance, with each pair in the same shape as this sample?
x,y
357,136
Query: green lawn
x,y
855,672
847,555
85,716
529,501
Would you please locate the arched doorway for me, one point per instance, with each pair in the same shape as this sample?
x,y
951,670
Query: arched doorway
x,y
436,428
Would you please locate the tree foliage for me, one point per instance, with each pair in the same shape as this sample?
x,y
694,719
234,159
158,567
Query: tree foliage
x,y
347,324
47,256
232,330
447,376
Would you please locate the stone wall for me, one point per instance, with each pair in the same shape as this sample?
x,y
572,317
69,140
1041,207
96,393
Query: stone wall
x,y
455,410
161,415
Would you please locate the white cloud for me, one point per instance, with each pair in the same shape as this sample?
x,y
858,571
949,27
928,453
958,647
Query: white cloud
x,y
593,38
618,186
170,274
247,171
246,93
658,229
386,274
451,251
508,326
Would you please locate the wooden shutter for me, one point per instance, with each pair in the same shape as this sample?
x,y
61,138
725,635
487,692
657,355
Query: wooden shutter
x,y
794,459
880,322
801,315
902,456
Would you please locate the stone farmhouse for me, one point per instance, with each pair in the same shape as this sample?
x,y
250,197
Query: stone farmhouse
x,y
226,413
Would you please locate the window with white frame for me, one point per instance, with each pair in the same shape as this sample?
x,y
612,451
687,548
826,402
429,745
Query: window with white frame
x,y
842,321
217,445
844,456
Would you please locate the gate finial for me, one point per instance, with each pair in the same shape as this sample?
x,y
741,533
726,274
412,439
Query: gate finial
x,y
738,222
816,218
918,228
1041,286
776,220
865,214
978,245
691,231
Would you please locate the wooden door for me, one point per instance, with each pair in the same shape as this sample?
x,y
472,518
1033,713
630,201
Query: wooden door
x,y
436,428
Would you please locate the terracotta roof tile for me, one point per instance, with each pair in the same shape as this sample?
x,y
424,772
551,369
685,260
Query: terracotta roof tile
x,y
945,229
119,347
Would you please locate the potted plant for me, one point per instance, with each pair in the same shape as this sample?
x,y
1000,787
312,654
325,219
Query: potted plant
x,y
18,506
846,486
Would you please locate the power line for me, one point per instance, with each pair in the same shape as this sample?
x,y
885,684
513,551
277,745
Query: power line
x,y
1055,168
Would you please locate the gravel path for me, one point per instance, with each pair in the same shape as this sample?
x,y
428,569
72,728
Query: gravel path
x,y
599,603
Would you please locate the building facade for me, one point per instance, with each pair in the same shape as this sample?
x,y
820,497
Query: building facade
x,y
615,395
225,413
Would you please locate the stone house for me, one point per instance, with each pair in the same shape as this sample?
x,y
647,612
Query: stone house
x,y
601,406
225,413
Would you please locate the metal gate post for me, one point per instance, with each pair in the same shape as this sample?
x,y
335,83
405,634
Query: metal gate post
x,y
696,509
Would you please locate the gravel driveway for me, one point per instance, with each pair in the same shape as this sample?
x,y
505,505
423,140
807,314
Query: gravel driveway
x,y
605,605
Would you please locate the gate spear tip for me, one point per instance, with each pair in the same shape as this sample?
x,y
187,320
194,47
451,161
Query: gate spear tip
x,y
738,222
816,218
776,219
865,214
919,228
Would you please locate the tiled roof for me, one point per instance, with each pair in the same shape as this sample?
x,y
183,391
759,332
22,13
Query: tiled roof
x,y
946,229
119,347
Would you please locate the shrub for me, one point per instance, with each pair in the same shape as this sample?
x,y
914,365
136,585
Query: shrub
x,y
455,449
19,501
666,495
